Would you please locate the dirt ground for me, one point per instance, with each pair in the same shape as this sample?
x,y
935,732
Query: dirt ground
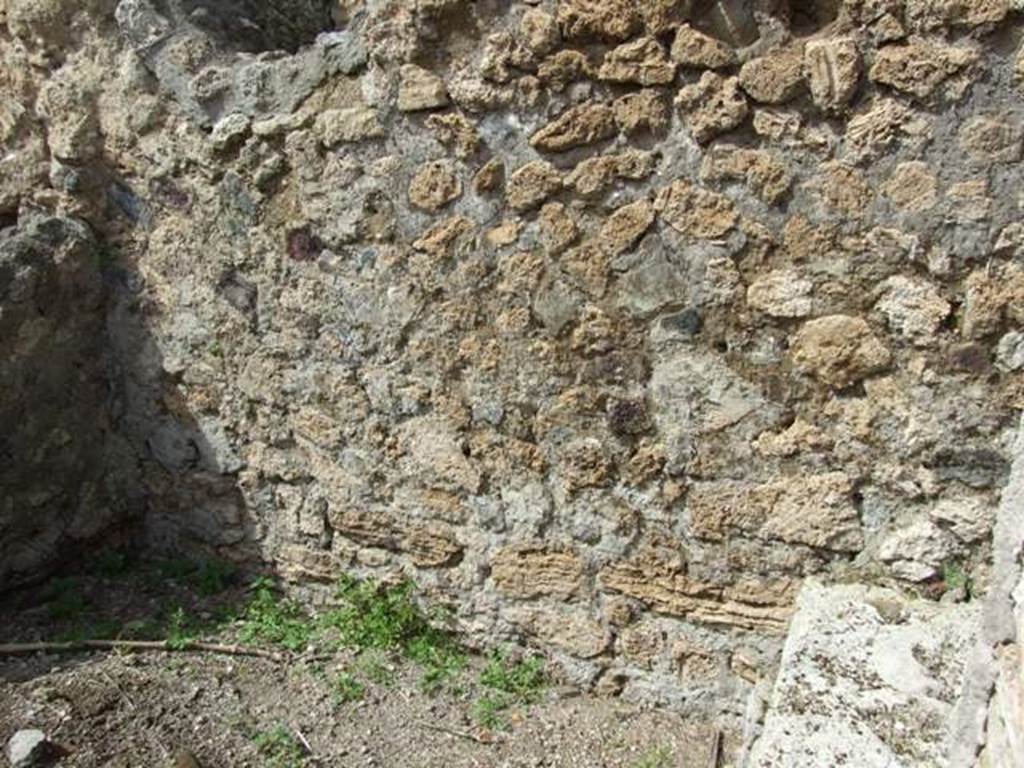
x,y
125,709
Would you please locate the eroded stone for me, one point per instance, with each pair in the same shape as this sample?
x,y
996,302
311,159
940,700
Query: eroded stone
x,y
434,186
712,106
839,350
576,127
642,61
920,67
420,89
532,184
695,211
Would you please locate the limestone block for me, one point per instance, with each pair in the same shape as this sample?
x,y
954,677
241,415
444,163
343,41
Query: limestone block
x,y
867,678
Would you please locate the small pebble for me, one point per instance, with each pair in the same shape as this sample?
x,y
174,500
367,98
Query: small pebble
x,y
28,748
183,758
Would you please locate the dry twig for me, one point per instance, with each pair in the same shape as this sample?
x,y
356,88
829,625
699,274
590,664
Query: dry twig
x,y
452,732
12,649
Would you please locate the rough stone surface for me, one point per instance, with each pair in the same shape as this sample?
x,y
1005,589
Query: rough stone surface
x,y
348,124
622,317
695,211
765,175
692,48
775,78
839,350
420,89
643,112
985,728
641,61
586,124
712,106
614,20
783,294
919,68
832,69
27,748
434,186
56,492
531,184
867,678
913,308
817,511
625,226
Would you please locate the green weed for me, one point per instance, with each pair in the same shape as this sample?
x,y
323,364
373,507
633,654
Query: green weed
x,y
209,576
180,631
64,598
440,657
956,577
510,683
111,563
280,748
374,666
214,576
523,680
487,711
656,757
270,618
372,618
347,688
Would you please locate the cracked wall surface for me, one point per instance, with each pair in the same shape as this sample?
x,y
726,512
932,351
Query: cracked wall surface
x,y
610,323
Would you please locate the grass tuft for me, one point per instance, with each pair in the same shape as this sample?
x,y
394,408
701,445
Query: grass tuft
x,y
270,618
956,577
180,631
65,599
280,748
510,682
523,680
656,757
347,689
209,576
387,620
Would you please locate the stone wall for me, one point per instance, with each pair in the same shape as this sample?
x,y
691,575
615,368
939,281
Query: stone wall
x,y
58,488
609,323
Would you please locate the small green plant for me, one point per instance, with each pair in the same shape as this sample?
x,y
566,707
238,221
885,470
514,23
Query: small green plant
x,y
213,576
510,683
440,657
523,680
280,748
956,577
487,711
209,576
387,619
347,688
102,629
180,632
65,600
373,617
656,757
270,618
374,666
111,563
